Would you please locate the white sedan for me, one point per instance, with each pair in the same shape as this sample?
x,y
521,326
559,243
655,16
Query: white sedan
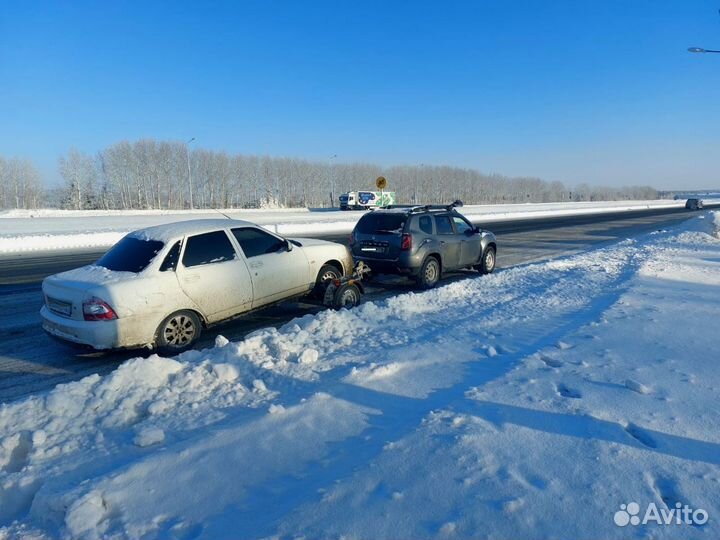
x,y
160,286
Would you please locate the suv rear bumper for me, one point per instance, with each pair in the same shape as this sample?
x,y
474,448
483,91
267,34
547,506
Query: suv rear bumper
x,y
402,266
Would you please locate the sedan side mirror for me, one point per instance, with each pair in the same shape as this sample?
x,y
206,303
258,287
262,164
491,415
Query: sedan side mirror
x,y
288,245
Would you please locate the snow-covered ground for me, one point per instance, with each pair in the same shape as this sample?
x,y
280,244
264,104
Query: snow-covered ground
x,y
48,230
531,403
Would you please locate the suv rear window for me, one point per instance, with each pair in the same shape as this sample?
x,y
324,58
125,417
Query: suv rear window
x,y
130,255
381,223
425,223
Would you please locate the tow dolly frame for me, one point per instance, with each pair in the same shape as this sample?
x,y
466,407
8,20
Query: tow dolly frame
x,y
346,292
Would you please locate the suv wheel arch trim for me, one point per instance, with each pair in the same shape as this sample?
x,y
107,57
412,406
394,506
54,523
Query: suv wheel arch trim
x,y
434,256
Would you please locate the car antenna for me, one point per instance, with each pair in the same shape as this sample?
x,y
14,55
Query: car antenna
x,y
223,213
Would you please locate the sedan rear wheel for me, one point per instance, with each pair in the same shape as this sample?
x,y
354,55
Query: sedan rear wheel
x,y
178,332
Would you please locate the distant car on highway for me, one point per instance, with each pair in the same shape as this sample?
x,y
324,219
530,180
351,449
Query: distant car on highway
x,y
422,242
160,286
694,204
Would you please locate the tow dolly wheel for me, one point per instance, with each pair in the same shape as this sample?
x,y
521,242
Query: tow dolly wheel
x,y
347,296
346,292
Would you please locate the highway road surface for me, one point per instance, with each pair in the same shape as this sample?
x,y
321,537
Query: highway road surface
x,y
31,362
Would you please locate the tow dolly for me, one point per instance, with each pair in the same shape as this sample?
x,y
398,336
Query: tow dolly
x,y
347,291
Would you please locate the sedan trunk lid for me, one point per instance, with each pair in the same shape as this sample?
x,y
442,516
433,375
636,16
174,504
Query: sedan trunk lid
x,y
65,292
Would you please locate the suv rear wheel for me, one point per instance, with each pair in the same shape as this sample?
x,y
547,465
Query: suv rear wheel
x,y
429,273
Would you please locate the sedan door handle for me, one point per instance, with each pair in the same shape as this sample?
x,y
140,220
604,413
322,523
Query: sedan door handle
x,y
191,278
256,264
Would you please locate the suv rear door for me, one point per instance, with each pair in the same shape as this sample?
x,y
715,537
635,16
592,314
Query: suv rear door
x,y
378,235
450,242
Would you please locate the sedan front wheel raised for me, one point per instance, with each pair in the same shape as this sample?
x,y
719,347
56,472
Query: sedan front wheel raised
x,y
178,332
326,274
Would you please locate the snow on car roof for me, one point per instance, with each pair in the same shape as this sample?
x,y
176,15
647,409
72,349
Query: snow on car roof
x,y
178,229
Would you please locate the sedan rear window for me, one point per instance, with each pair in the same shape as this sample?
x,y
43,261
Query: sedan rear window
x,y
208,248
255,242
171,259
381,223
130,255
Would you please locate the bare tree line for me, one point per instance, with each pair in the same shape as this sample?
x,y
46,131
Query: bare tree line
x,y
20,185
150,174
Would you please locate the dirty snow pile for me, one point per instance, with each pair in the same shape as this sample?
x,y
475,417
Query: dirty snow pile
x,y
558,399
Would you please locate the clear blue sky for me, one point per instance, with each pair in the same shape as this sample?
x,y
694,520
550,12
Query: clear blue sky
x,y
573,90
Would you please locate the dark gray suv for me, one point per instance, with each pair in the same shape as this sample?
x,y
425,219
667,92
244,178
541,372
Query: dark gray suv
x,y
422,242
694,204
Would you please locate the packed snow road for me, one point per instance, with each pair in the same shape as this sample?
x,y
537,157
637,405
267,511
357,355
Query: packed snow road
x,y
563,398
27,231
19,267
30,361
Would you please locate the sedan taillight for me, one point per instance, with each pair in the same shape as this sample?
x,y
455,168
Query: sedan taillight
x,y
98,310
406,242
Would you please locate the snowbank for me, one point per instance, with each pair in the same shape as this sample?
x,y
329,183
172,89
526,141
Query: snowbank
x,y
530,403
49,230
56,213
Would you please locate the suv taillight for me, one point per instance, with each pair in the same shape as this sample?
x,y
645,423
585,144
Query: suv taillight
x,y
98,310
352,238
406,242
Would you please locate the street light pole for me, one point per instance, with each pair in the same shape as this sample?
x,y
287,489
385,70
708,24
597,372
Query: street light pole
x,y
190,186
416,183
332,181
701,50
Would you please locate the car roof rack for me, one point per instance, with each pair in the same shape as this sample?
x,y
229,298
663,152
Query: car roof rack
x,y
426,207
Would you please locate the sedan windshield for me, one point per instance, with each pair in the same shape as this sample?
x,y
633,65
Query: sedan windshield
x,y
130,255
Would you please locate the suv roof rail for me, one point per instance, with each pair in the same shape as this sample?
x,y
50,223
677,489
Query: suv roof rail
x,y
442,207
426,207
